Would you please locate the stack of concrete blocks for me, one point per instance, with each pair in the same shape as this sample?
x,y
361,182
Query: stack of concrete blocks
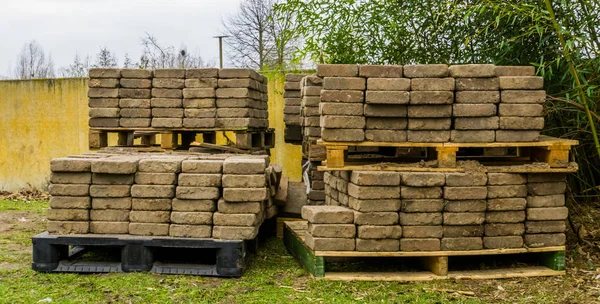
x,y
70,202
241,211
475,109
421,211
151,194
199,98
242,99
112,179
196,198
430,107
103,96
316,186
386,99
167,98
330,228
135,98
521,104
546,211
375,199
343,89
310,122
292,99
505,215
336,188
465,204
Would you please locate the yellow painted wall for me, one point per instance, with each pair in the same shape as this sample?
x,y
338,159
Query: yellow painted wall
x,y
48,118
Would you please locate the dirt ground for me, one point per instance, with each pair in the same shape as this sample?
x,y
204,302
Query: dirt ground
x,y
580,285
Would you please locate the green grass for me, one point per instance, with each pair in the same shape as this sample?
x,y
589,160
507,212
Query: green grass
x,y
38,207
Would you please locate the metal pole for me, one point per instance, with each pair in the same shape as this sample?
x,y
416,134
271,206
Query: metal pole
x,y
221,49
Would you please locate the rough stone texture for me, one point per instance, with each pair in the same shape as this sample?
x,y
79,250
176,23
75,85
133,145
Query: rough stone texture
x,y
498,242
379,232
465,206
387,97
155,178
546,177
169,73
388,84
198,193
408,244
420,192
381,245
547,214
112,179
515,71
68,227
523,96
478,97
377,205
109,215
424,205
430,111
111,203
465,193
375,218
462,243
332,230
466,179
343,122
250,207
506,179
244,194
380,71
505,216
344,83
148,229
432,84
153,191
545,226
167,103
545,240
381,110
70,202
342,96
431,97
337,70
109,190
386,123
425,70
235,233
557,200
160,165
507,191
375,178
103,122
464,218
103,112
70,165
473,110
423,179
167,93
243,181
199,180
202,73
517,136
104,102
463,231
350,135
422,232
135,93
472,70
192,231
507,204
428,136
521,82
136,73
547,188
477,84
149,216
349,109
420,219
329,244
520,110
192,218
429,123
466,136
504,229
68,215
202,166
115,165
104,73
103,93
244,165
70,178
109,227
194,205
151,204
327,215
385,135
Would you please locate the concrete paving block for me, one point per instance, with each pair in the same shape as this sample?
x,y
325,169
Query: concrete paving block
x,y
380,245
550,188
507,204
465,206
426,70
477,97
153,191
545,227
328,215
544,240
337,70
380,71
465,193
462,243
464,231
463,218
505,216
148,229
430,244
123,203
109,215
504,229
70,202
194,205
151,204
137,216
432,84
499,242
472,70
190,231
521,82
466,179
556,200
198,193
507,191
69,189
477,84
192,218
423,179
68,215
420,219
422,232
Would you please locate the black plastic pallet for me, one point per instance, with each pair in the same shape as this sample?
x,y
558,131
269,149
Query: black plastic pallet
x,y
164,255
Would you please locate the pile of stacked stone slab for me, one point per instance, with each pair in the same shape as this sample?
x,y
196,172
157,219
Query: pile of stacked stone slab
x,y
387,211
155,194
311,86
178,98
313,180
292,99
430,103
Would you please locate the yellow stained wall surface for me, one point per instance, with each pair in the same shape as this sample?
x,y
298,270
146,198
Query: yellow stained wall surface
x,y
48,118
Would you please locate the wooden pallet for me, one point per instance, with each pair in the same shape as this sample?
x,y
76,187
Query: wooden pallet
x,y
550,150
247,139
436,264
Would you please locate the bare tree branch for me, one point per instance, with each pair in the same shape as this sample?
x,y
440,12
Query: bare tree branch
x,y
32,62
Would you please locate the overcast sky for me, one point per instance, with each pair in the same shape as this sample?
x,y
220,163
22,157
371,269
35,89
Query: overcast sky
x,y
64,27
